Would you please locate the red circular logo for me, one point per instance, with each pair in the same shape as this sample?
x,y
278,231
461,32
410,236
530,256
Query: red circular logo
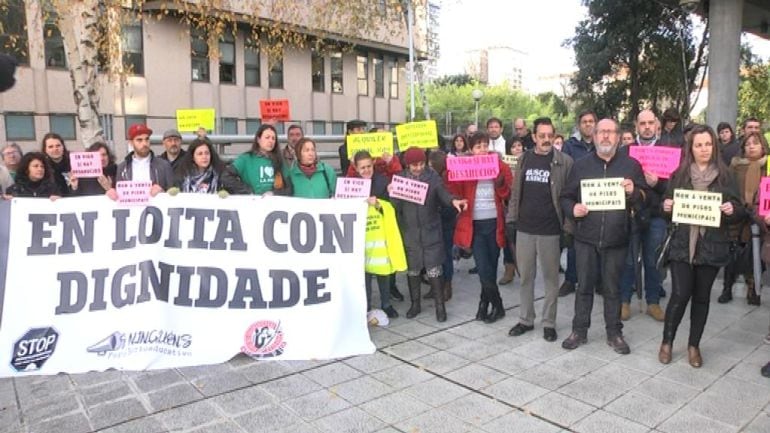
x,y
263,339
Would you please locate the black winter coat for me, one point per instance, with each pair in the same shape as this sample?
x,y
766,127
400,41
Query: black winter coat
x,y
713,247
26,188
604,229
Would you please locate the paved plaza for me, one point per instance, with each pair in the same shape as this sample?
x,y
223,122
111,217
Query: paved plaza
x,y
457,376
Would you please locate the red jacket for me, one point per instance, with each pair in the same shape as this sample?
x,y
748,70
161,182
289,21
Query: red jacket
x,y
463,236
388,170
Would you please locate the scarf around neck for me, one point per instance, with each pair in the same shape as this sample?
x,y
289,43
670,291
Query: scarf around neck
x,y
700,182
309,170
206,181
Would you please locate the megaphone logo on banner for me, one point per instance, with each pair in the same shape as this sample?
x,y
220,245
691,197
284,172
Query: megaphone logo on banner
x,y
115,341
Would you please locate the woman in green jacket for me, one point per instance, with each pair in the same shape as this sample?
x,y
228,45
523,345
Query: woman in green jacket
x,y
261,168
309,177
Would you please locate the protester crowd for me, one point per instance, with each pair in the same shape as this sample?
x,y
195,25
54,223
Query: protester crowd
x,y
531,211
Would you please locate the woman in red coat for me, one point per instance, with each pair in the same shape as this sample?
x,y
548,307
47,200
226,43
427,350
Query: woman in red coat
x,y
482,227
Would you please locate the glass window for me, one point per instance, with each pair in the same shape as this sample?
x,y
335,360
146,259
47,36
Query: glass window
x,y
63,124
227,58
19,126
252,125
229,125
133,59
251,59
318,71
275,80
338,128
200,55
379,78
13,30
393,66
280,128
133,120
362,71
319,127
55,56
336,71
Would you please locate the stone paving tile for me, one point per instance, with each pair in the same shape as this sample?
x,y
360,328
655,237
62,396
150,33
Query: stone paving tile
x,y
332,374
519,422
443,340
267,419
10,420
218,427
115,412
34,388
381,337
476,376
593,391
560,409
441,362
730,401
317,404
476,350
619,375
410,350
437,392
402,376
514,391
372,363
395,407
243,400
683,374
105,392
641,409
540,350
290,387
688,421
262,371
760,424
666,392
412,329
219,383
547,377
361,390
75,423
605,422
472,330
142,425
158,379
576,363
173,396
351,420
95,377
50,407
434,421
476,409
301,427
509,362
189,416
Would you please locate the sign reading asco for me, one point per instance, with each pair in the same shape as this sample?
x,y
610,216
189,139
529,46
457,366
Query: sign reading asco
x,y
180,281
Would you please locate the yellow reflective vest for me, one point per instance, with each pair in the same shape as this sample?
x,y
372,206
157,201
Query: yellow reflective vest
x,y
384,252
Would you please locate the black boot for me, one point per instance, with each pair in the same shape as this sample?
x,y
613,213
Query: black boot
x,y
414,295
498,311
394,293
751,294
727,288
437,287
483,310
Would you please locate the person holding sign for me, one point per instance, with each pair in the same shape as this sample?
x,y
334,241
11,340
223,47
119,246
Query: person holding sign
x,y
201,171
421,230
697,252
535,214
34,178
482,228
353,127
97,185
601,236
309,177
747,168
260,168
141,165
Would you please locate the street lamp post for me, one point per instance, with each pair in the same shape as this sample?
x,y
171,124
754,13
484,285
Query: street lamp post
x,y
477,95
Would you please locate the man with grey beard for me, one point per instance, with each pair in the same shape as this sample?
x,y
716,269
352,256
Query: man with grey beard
x,y
601,236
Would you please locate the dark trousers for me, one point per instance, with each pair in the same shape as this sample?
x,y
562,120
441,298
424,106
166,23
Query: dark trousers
x,y
383,283
486,253
588,259
448,223
570,274
689,282
649,241
508,256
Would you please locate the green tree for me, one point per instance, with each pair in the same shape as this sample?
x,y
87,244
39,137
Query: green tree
x,y
635,53
754,92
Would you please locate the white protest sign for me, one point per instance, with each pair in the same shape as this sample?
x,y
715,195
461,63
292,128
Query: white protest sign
x,y
603,194
85,164
352,187
408,189
133,191
699,208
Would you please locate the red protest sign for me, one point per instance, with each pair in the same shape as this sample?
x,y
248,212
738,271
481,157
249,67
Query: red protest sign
x,y
85,164
764,197
274,109
408,189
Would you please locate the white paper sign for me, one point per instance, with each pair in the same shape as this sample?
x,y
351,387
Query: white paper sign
x,y
700,208
133,192
603,194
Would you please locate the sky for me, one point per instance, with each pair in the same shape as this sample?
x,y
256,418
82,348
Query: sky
x,y
537,27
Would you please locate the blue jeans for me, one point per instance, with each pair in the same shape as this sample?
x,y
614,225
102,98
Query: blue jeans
x,y
383,283
486,253
650,240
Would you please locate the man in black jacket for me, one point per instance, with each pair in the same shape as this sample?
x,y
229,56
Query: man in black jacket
x,y
601,236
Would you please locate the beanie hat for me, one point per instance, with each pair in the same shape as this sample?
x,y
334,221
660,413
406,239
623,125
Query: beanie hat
x,y
413,155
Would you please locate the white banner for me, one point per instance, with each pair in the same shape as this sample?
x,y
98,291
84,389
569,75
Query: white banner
x,y
88,284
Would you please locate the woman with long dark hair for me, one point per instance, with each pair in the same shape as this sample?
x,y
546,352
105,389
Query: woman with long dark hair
x,y
34,178
260,168
97,185
201,171
697,252
458,146
59,158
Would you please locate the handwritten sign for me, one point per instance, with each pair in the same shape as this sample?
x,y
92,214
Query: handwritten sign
x,y
408,189
133,192
274,109
417,134
764,196
511,160
700,208
85,164
188,120
376,143
474,167
352,187
603,194
658,160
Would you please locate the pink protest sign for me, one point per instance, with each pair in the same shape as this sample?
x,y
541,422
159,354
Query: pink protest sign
x,y
658,160
85,164
475,167
408,189
352,187
764,196
133,192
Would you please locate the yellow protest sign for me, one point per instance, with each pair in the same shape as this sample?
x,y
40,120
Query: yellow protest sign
x,y
700,208
189,120
511,160
603,194
376,143
417,134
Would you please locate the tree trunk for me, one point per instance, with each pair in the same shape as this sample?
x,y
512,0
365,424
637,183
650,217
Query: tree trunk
x,y
633,73
77,22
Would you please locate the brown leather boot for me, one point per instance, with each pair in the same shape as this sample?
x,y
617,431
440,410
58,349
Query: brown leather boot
x,y
507,277
694,357
752,298
664,355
